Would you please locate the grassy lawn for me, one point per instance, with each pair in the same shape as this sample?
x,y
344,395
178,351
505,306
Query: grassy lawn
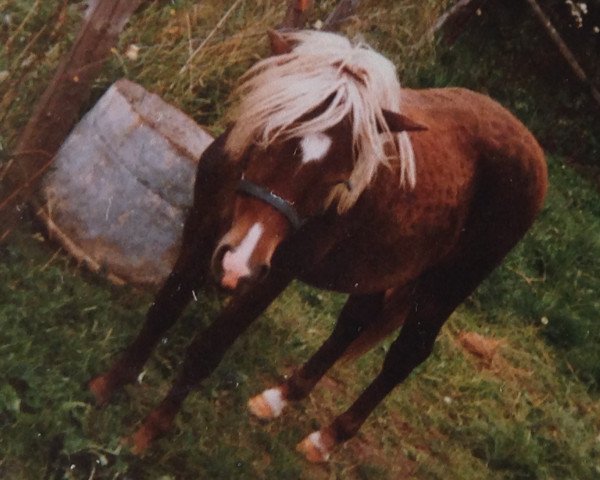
x,y
532,412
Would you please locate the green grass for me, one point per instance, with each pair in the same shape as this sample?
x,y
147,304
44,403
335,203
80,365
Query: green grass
x,y
552,280
533,413
452,419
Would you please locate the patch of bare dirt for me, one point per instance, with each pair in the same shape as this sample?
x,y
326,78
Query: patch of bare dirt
x,y
487,352
485,349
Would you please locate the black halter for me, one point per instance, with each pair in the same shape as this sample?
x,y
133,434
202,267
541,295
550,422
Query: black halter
x,y
283,206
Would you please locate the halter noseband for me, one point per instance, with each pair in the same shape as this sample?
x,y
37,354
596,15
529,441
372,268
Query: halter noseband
x,y
283,206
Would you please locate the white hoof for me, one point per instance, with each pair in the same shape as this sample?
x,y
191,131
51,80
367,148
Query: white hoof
x,y
315,447
268,404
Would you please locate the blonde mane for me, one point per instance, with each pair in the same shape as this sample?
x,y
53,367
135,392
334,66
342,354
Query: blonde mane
x,y
279,90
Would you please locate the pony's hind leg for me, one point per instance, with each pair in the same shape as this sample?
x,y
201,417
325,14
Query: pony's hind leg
x,y
358,312
436,295
432,302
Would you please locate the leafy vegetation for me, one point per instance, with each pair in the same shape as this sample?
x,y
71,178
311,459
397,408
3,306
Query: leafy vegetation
x,y
524,414
508,55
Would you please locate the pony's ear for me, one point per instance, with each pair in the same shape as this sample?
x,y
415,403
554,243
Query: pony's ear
x,y
279,45
397,122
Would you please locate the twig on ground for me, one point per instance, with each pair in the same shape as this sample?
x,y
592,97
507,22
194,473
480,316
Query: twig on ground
x,y
527,279
52,258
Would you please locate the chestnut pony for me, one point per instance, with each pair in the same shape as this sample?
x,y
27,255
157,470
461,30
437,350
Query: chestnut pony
x,y
331,173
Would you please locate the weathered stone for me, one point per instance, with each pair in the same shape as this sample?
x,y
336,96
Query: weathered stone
x,y
120,186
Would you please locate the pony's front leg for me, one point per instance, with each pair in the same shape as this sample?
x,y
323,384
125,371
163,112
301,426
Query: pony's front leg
x,y
206,351
357,313
168,305
213,188
427,308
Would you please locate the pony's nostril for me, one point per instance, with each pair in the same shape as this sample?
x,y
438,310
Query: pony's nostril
x,y
217,260
262,271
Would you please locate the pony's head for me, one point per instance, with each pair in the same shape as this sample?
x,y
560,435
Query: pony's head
x,y
312,125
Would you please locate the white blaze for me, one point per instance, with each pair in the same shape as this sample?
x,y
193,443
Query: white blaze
x,y
236,263
314,146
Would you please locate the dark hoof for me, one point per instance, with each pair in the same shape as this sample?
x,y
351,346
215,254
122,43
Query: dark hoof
x,y
101,390
141,440
155,425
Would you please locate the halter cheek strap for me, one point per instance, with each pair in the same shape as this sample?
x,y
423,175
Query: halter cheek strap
x,y
280,204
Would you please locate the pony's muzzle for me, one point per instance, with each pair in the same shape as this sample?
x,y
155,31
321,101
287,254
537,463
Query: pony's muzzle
x,y
232,266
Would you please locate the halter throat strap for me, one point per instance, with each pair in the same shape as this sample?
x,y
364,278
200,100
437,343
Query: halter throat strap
x,y
280,204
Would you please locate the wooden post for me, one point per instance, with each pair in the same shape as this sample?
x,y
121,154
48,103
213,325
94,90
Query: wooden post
x,y
60,105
